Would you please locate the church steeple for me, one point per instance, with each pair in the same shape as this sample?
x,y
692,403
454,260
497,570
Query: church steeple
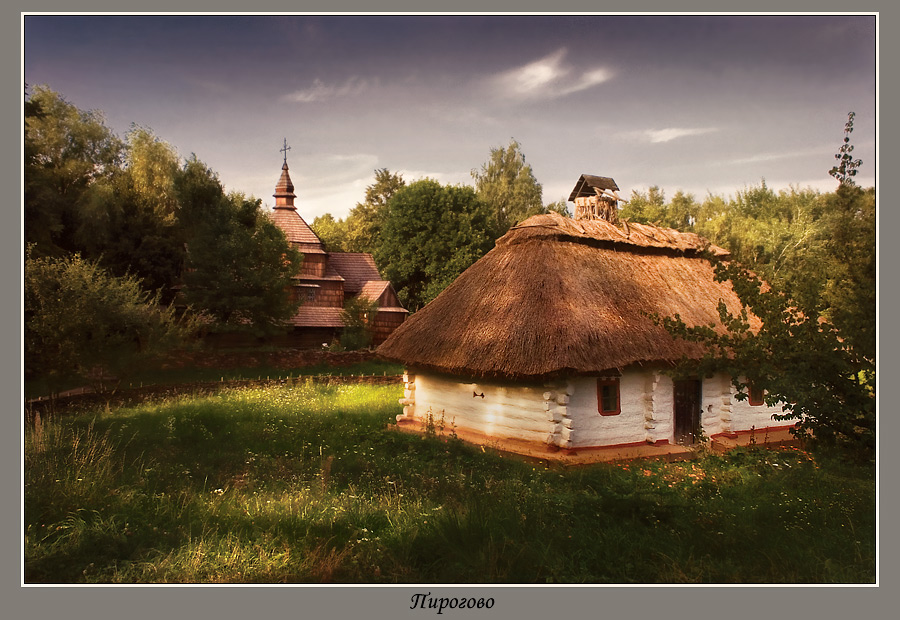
x,y
284,189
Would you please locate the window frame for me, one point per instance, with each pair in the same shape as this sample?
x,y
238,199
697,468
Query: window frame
x,y
612,382
756,396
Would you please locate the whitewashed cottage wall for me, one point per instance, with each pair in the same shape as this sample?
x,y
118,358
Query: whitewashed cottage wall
x,y
744,415
715,408
507,410
565,413
593,429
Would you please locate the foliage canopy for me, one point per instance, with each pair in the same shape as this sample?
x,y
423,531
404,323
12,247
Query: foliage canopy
x,y
238,267
431,234
815,354
134,206
508,186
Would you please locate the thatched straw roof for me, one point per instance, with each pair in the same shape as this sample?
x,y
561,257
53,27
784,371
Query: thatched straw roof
x,y
556,296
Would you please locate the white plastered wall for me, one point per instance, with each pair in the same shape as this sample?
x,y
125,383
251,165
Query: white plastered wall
x,y
506,411
716,410
592,429
565,413
648,410
746,416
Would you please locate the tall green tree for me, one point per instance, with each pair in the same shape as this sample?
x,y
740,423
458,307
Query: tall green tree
x,y
849,243
239,268
70,157
431,234
507,185
135,228
848,254
364,222
332,232
645,207
200,195
650,207
681,212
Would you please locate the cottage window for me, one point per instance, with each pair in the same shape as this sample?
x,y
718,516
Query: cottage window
x,y
608,396
757,395
310,294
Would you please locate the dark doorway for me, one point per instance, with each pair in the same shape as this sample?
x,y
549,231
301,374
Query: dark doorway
x,y
687,411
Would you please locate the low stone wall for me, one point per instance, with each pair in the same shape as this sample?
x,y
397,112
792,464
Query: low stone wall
x,y
284,359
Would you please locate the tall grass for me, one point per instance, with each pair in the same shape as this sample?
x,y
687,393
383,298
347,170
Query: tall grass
x,y
305,483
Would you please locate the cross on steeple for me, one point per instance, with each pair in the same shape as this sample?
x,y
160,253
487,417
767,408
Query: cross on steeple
x,y
285,150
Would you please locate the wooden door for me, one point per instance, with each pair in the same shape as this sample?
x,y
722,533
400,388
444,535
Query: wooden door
x,y
687,411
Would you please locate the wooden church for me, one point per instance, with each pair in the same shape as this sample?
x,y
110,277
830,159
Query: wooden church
x,y
328,280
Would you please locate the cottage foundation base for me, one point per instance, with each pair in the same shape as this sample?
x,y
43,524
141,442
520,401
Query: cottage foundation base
x,y
768,436
773,436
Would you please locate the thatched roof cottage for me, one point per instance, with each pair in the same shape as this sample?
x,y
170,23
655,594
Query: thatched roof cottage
x,y
545,341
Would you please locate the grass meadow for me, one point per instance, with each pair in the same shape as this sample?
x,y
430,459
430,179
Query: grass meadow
x,y
305,483
190,375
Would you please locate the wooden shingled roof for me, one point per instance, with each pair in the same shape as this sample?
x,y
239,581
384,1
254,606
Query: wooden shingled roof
x,y
297,231
317,316
286,217
356,268
588,182
557,297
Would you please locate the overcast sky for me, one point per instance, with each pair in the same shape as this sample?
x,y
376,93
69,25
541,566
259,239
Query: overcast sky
x,y
694,103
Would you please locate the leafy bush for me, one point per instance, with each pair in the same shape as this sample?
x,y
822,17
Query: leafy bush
x,y
797,357
359,321
80,322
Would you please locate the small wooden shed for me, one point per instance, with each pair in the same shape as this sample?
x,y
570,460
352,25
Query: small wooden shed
x,y
546,342
596,198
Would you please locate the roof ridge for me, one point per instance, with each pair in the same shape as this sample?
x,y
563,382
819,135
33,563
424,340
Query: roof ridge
x,y
633,234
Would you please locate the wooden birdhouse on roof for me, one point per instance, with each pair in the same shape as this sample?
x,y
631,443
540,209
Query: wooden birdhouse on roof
x,y
595,198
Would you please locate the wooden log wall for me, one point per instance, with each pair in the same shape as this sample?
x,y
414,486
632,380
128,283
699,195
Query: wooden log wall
x,y
326,294
385,324
314,265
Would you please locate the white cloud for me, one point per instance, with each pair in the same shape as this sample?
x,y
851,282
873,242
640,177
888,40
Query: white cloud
x,y
535,77
320,91
588,80
548,78
673,133
774,156
444,178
